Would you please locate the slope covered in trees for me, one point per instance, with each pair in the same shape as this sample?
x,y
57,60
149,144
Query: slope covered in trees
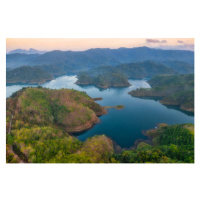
x,y
109,76
70,109
173,90
104,80
171,144
38,121
143,69
27,74
181,67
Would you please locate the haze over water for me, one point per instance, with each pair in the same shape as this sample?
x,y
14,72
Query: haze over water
x,y
123,126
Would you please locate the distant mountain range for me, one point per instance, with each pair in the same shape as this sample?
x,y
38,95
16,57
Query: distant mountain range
x,y
24,51
75,61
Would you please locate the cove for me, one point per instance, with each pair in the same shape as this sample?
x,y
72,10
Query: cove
x,y
122,126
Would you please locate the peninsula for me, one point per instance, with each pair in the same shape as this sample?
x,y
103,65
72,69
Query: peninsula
x,y
173,90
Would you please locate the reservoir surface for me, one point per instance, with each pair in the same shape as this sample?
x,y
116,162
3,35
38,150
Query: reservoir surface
x,y
123,126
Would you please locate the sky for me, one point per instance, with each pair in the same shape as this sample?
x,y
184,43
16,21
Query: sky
x,y
81,44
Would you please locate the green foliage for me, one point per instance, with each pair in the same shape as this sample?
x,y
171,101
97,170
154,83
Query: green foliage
x,y
47,144
43,116
10,158
174,90
175,134
41,119
103,79
9,139
181,67
41,106
109,76
27,74
173,144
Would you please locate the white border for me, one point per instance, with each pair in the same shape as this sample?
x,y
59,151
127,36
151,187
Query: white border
x,y
97,19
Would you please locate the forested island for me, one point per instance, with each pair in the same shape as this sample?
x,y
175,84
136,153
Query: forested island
x,y
40,124
110,79
27,74
173,90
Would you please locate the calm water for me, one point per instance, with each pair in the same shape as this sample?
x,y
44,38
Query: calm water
x,y
123,126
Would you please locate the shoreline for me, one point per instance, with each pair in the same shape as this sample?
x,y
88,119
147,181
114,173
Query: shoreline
x,y
118,107
159,98
100,87
79,130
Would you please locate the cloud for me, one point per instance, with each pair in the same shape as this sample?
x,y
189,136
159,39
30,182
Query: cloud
x,y
180,41
155,41
189,47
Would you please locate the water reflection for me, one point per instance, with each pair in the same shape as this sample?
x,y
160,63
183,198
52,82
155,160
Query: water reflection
x,y
123,126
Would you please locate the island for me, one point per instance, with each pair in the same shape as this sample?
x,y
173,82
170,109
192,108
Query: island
x,y
97,99
119,107
27,74
172,89
103,80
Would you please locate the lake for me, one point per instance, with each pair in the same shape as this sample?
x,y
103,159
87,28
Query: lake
x,y
123,126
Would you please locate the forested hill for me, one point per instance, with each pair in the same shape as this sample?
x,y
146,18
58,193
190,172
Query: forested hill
x,y
174,90
170,144
38,121
81,60
181,67
103,80
70,109
109,76
143,69
27,74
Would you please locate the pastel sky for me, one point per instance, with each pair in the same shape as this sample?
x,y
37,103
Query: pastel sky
x,y
80,44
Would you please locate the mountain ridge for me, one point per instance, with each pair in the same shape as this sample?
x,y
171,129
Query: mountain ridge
x,y
24,51
75,61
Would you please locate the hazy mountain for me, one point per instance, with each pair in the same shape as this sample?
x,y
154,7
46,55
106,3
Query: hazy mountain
x,y
181,67
18,60
24,51
81,60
